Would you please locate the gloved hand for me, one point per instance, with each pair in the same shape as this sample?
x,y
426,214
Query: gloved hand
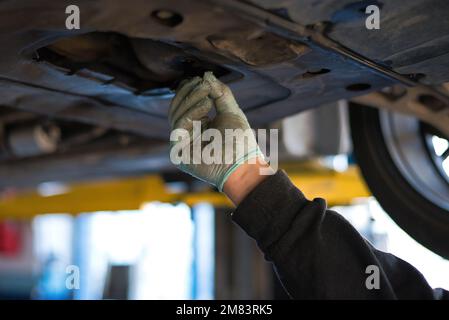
x,y
193,101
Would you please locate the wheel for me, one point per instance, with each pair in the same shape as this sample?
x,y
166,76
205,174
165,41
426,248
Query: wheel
x,y
405,163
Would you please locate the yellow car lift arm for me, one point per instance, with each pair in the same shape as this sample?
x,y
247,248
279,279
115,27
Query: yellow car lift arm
x,y
131,193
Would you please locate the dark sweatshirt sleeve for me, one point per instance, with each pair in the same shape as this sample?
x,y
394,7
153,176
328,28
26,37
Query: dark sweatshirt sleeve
x,y
318,254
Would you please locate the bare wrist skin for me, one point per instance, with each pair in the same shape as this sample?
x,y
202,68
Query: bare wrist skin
x,y
243,180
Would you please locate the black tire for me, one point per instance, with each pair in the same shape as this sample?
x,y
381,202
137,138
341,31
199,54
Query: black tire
x,y
426,222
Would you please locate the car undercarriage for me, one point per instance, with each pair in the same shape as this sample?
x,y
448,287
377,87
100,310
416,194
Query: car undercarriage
x,y
92,103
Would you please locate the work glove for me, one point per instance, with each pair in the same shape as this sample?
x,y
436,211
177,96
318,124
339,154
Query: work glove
x,y
189,119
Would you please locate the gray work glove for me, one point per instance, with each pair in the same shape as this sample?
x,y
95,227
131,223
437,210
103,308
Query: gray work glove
x,y
188,113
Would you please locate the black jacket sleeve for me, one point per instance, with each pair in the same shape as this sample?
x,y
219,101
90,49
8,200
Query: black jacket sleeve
x,y
318,254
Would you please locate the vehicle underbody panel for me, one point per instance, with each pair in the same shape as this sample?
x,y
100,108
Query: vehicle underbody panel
x,y
117,73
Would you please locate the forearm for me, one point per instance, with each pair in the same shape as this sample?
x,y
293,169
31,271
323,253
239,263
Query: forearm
x,y
245,179
316,252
